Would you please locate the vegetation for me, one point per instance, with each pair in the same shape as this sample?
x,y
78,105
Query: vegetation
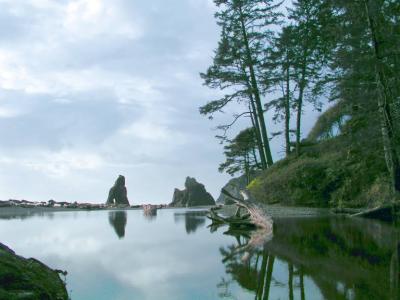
x,y
22,278
241,155
344,53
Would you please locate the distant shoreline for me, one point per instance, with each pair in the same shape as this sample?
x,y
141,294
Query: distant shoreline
x,y
10,211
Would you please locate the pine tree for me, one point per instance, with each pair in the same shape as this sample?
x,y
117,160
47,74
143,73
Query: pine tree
x,y
246,31
241,155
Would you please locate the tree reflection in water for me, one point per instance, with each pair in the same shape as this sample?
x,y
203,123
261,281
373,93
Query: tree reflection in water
x,y
344,258
118,221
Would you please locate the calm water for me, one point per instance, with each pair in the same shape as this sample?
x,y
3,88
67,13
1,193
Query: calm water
x,y
126,255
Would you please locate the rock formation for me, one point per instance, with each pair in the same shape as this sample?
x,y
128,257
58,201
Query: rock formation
x,y
194,194
234,186
118,193
22,278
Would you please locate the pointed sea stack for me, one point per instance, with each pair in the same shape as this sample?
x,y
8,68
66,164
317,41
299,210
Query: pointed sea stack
x,y
194,194
118,193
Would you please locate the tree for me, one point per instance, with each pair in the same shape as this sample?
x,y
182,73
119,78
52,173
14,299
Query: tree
x,y
366,63
309,48
280,62
245,33
241,155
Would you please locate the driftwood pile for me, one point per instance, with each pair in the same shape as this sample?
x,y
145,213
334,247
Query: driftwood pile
x,y
252,218
150,210
249,222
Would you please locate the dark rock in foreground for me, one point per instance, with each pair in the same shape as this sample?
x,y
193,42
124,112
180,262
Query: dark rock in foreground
x,y
118,193
22,278
194,194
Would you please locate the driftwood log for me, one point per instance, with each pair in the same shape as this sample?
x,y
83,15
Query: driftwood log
x,y
386,212
254,216
249,222
149,210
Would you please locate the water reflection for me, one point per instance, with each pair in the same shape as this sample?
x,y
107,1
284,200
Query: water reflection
x,y
22,214
305,258
193,220
150,213
340,258
118,221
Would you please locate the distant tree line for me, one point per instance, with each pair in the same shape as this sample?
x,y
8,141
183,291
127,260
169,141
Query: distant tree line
x,y
314,51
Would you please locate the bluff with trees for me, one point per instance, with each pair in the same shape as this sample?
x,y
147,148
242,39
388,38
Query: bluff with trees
x,y
339,54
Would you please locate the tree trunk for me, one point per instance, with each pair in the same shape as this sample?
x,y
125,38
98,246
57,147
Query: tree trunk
x,y
253,151
256,92
394,273
385,101
300,101
290,283
287,106
302,292
261,279
247,168
268,279
256,125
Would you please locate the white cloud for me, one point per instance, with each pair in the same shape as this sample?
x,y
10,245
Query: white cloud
x,y
90,89
87,18
8,113
56,164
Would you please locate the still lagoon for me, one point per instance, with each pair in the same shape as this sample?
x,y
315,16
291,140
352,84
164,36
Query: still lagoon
x,y
174,255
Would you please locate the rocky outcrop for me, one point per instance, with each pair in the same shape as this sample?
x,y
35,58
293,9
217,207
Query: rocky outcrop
x,y
22,278
194,194
233,187
118,193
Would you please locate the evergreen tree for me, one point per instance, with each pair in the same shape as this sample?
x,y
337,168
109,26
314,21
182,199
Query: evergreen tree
x,y
241,155
367,65
246,31
310,55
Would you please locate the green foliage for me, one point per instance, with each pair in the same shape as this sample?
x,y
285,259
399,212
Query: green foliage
x,y
240,154
344,171
342,51
22,278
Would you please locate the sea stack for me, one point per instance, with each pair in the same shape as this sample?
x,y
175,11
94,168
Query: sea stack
x,y
118,193
194,194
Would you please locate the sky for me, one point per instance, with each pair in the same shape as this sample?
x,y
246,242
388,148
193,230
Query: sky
x,y
90,89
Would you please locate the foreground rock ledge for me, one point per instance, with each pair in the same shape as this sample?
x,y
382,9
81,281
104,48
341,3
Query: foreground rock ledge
x,y
22,278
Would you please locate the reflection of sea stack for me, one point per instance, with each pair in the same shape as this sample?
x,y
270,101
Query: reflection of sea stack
x,y
193,219
117,220
194,194
118,193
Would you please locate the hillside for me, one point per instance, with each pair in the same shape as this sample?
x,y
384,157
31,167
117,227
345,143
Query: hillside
x,y
341,164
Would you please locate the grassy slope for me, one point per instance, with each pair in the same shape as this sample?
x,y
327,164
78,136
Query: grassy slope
x,y
343,171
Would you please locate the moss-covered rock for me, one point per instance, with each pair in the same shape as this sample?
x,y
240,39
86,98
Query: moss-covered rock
x,y
22,278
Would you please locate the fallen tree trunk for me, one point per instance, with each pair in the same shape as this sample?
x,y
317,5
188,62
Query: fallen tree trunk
x,y
254,216
385,213
252,224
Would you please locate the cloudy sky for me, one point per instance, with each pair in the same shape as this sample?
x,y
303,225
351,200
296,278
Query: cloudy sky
x,y
90,89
